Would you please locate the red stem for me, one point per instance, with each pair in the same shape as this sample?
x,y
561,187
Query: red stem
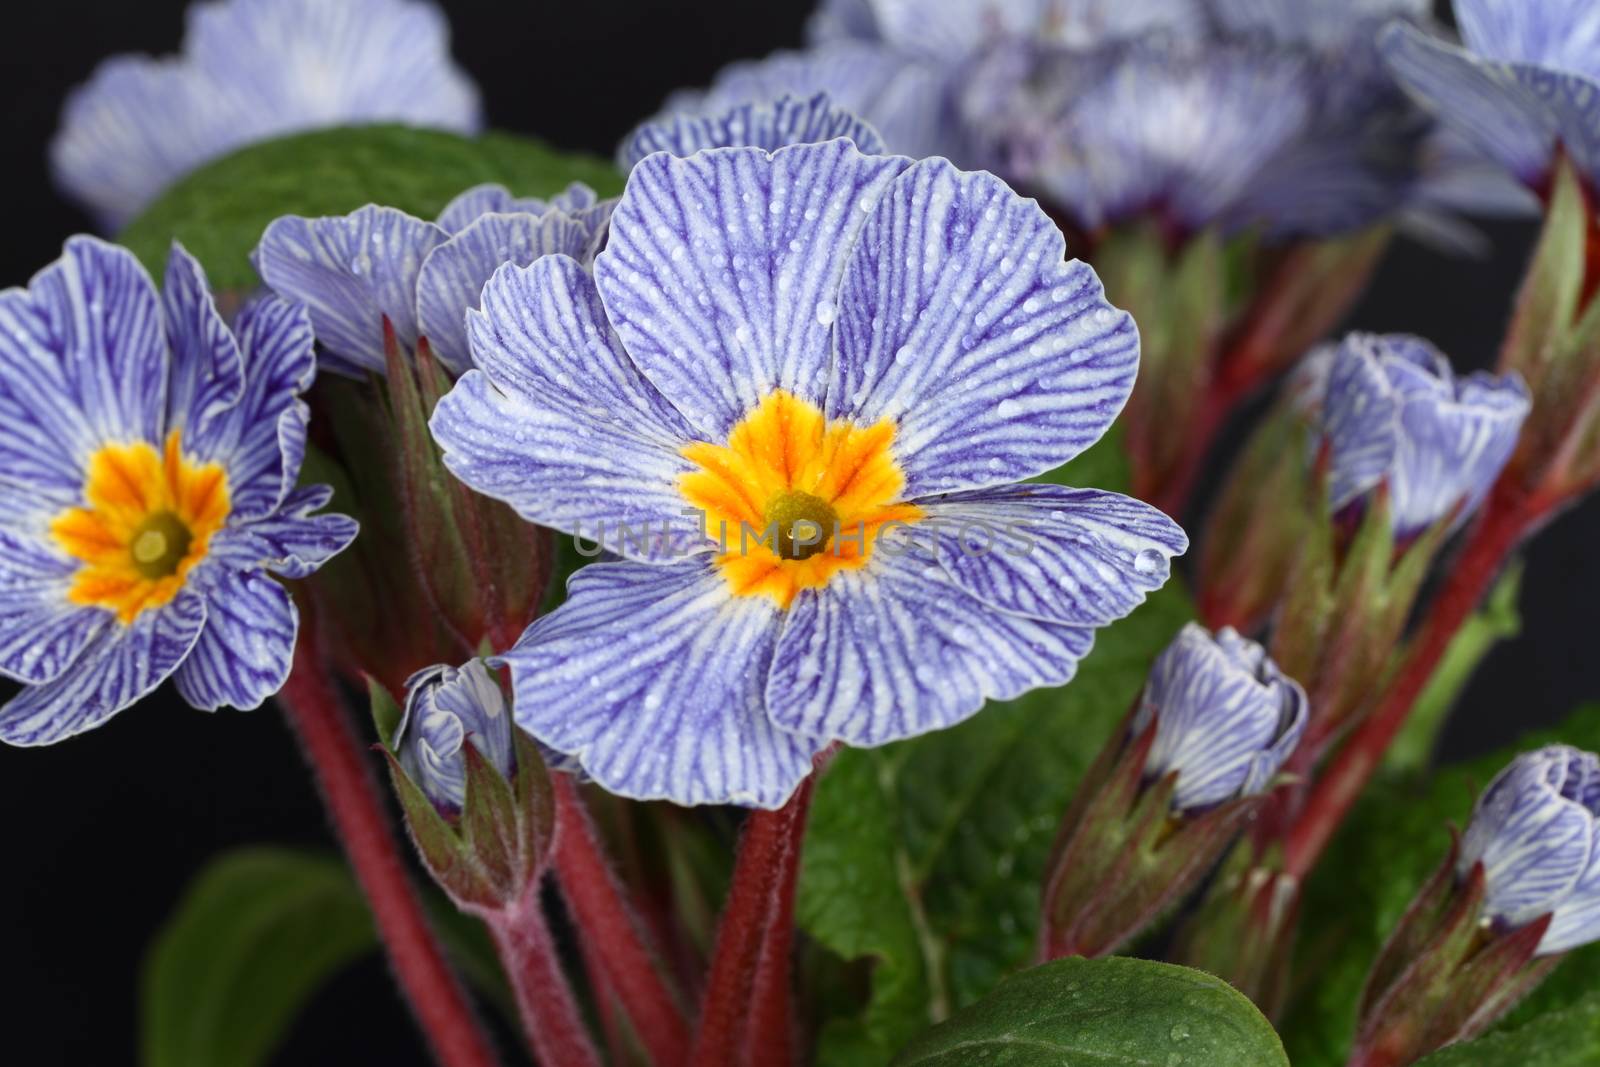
x,y
769,1037
1508,517
550,1016
624,963
312,705
729,1016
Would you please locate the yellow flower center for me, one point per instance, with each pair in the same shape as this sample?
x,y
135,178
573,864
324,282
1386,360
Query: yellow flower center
x,y
792,499
149,521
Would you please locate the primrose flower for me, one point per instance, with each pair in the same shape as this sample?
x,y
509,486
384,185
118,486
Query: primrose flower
x,y
1536,830
849,359
789,120
148,467
446,708
1226,717
1526,84
252,70
1394,412
355,271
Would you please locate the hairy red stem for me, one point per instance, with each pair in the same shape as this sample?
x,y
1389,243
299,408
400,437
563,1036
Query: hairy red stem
x,y
311,704
1509,516
550,1016
624,963
769,1036
728,1014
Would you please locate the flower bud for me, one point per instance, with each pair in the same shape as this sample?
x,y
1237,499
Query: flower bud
x,y
475,792
447,708
1225,717
1522,887
1171,791
1394,414
1536,832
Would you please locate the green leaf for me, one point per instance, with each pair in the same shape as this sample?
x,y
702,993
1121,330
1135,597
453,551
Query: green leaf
x,y
220,210
254,937
1394,839
928,855
1134,1013
1566,1038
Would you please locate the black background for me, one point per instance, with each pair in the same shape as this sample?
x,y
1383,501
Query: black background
x,y
101,833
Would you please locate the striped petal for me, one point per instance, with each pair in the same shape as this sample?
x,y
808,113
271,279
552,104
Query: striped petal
x,y
123,665
292,542
453,275
489,198
207,371
1577,918
556,421
137,126
41,632
1360,420
83,362
351,271
1561,34
722,271
308,63
756,124
652,678
1503,108
960,319
1074,556
242,656
261,440
1533,841
895,650
902,96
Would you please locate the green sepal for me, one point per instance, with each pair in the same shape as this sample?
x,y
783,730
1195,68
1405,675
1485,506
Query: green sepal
x,y
1548,300
443,851
1243,929
386,713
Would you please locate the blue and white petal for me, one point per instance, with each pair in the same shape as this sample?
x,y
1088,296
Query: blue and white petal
x,y
652,677
950,32
86,360
1226,717
490,198
446,707
1451,450
243,654
137,126
1075,556
261,440
453,275
310,63
41,632
1316,23
556,421
351,272
722,271
1560,34
895,650
1512,111
207,373
902,96
1533,831
292,542
121,666
790,120
1360,420
960,319
1576,920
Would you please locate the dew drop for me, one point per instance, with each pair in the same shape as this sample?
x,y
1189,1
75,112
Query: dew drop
x,y
1147,561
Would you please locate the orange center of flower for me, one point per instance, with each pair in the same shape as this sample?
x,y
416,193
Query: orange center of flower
x,y
792,498
149,521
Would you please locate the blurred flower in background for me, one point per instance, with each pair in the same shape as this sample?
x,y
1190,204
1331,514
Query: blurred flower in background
x,y
251,70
